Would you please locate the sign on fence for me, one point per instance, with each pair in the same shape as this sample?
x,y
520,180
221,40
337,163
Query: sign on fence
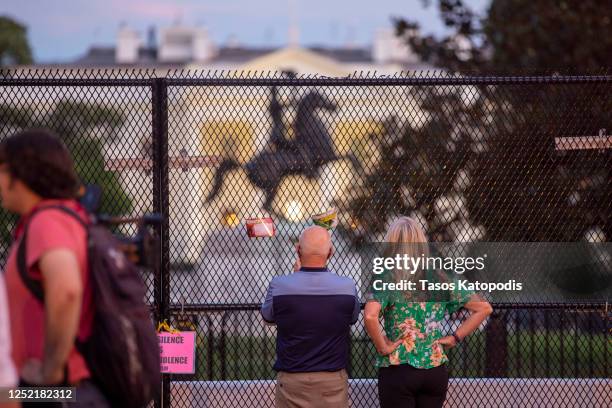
x,y
177,352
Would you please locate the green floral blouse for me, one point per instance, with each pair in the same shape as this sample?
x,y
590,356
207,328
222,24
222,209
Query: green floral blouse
x,y
419,324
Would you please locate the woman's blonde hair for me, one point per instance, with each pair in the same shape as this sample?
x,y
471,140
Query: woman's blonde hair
x,y
405,230
406,237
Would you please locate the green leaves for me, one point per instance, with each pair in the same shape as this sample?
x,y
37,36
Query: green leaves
x,y
85,128
520,36
14,47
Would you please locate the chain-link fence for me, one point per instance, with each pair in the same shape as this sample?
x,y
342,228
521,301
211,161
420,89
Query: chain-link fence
x,y
493,159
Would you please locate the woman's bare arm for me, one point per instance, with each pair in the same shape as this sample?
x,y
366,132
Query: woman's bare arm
x,y
383,345
479,309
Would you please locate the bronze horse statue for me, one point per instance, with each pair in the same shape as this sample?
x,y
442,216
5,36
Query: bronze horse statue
x,y
311,148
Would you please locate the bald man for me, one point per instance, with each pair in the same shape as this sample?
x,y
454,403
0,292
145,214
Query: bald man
x,y
313,310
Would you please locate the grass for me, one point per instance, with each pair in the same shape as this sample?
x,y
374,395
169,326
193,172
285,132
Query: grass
x,y
552,354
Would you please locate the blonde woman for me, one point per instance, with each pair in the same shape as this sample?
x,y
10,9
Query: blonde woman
x,y
411,350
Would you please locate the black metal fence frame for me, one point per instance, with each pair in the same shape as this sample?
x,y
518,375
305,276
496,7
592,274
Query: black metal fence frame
x,y
163,309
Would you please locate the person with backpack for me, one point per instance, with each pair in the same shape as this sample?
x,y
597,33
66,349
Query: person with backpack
x,y
68,327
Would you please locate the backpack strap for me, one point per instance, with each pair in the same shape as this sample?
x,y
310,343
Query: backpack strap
x,y
34,286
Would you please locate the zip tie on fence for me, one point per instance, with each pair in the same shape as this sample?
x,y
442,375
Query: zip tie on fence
x,y
166,327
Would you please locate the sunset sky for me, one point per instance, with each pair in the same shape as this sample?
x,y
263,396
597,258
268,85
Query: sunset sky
x,y
60,30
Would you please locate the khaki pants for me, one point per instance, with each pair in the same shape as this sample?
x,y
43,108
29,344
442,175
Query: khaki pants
x,y
312,390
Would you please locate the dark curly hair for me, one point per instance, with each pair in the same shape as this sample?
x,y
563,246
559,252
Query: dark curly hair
x,y
42,162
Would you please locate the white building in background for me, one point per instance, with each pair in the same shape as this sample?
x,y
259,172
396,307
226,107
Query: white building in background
x,y
388,48
128,44
179,46
180,43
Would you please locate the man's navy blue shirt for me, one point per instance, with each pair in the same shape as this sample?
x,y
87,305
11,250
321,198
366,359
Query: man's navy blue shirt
x,y
313,310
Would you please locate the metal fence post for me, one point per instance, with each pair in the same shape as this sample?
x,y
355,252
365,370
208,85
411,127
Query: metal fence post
x,y
496,347
161,205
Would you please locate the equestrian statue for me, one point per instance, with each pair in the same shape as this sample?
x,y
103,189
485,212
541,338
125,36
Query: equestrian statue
x,y
311,148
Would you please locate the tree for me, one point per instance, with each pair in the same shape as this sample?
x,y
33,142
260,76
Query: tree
x,y
419,172
84,127
11,119
518,36
14,46
516,186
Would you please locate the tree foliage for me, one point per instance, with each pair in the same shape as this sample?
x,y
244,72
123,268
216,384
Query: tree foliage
x,y
85,128
518,36
14,46
484,165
